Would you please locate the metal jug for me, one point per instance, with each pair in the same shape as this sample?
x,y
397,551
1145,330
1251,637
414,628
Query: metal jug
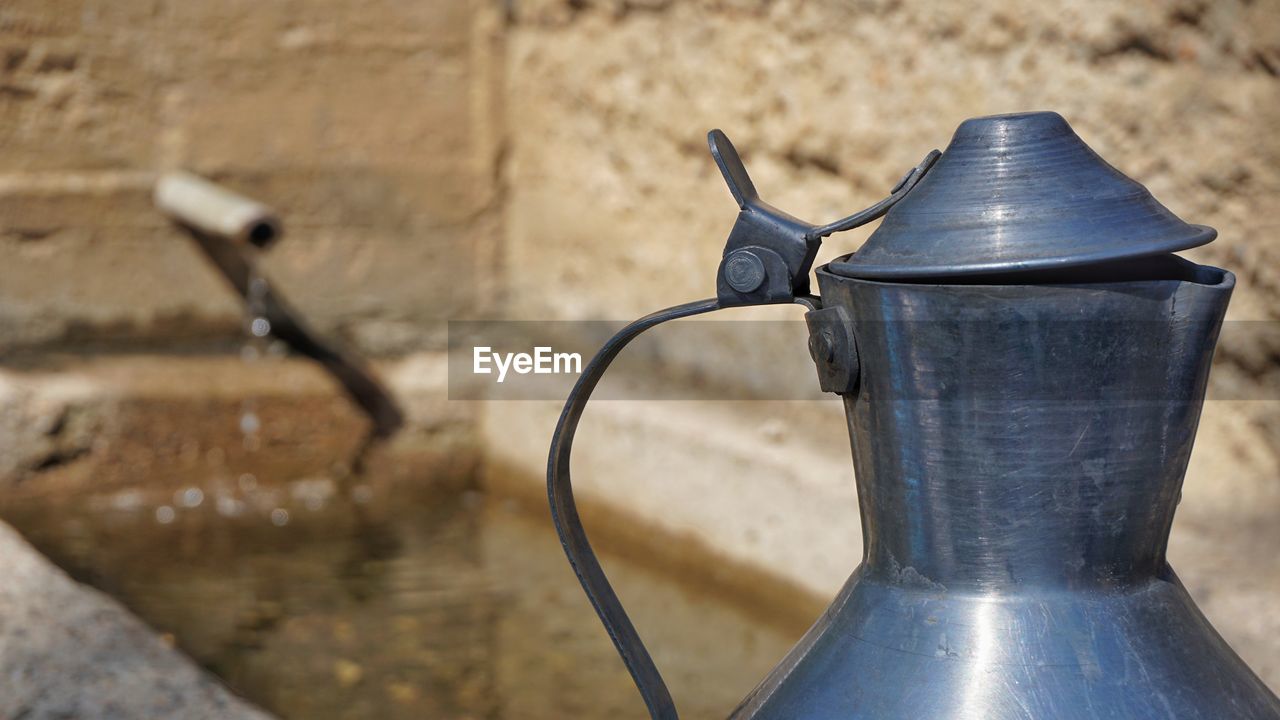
x,y
1022,362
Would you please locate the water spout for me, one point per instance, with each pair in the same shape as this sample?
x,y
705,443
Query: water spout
x,y
230,229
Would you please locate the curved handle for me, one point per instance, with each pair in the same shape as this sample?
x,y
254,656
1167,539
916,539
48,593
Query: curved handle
x,y
767,260
564,513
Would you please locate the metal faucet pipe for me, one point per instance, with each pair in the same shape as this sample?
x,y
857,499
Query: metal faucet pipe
x,y
216,211
229,229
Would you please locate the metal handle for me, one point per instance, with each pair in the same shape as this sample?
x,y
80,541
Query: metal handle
x,y
564,513
766,261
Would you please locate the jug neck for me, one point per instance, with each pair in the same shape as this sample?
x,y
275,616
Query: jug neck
x,y
1025,435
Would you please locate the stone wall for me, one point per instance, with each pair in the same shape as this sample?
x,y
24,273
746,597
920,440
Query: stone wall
x,y
372,126
397,140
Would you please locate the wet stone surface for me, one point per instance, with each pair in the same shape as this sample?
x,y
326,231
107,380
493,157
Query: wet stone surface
x,y
70,652
320,599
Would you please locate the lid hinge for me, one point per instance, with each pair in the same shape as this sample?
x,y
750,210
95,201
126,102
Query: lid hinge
x,y
769,253
832,347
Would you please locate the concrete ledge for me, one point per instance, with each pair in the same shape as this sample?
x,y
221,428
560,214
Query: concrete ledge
x,y
761,498
108,421
71,652
733,477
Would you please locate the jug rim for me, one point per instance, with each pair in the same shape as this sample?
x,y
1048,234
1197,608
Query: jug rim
x,y
1148,269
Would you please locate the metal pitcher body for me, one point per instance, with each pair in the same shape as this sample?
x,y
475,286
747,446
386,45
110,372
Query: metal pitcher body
x,y
1023,362
1019,452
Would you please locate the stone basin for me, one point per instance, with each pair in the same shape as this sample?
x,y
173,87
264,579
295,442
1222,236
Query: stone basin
x,y
314,575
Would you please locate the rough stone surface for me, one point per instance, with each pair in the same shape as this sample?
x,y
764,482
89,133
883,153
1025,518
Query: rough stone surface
x,y
72,652
831,101
75,425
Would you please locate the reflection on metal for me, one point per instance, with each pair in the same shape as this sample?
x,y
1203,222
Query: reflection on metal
x,y
1014,193
228,228
1022,365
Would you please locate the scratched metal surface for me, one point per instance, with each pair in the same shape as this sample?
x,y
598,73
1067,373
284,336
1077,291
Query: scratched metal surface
x,y
1020,451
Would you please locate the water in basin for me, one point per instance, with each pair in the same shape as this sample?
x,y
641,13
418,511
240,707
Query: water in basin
x,y
361,599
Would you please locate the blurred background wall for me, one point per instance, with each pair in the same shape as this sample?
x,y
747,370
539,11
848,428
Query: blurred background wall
x,y
545,159
374,127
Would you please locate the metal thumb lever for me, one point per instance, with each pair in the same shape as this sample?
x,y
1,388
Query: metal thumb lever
x,y
731,167
769,253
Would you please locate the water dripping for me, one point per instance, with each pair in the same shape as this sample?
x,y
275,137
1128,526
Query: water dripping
x,y
257,346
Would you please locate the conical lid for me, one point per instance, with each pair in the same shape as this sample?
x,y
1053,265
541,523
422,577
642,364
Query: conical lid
x,y
1013,193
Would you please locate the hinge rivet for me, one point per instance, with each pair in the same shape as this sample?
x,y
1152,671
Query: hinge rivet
x,y
744,271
